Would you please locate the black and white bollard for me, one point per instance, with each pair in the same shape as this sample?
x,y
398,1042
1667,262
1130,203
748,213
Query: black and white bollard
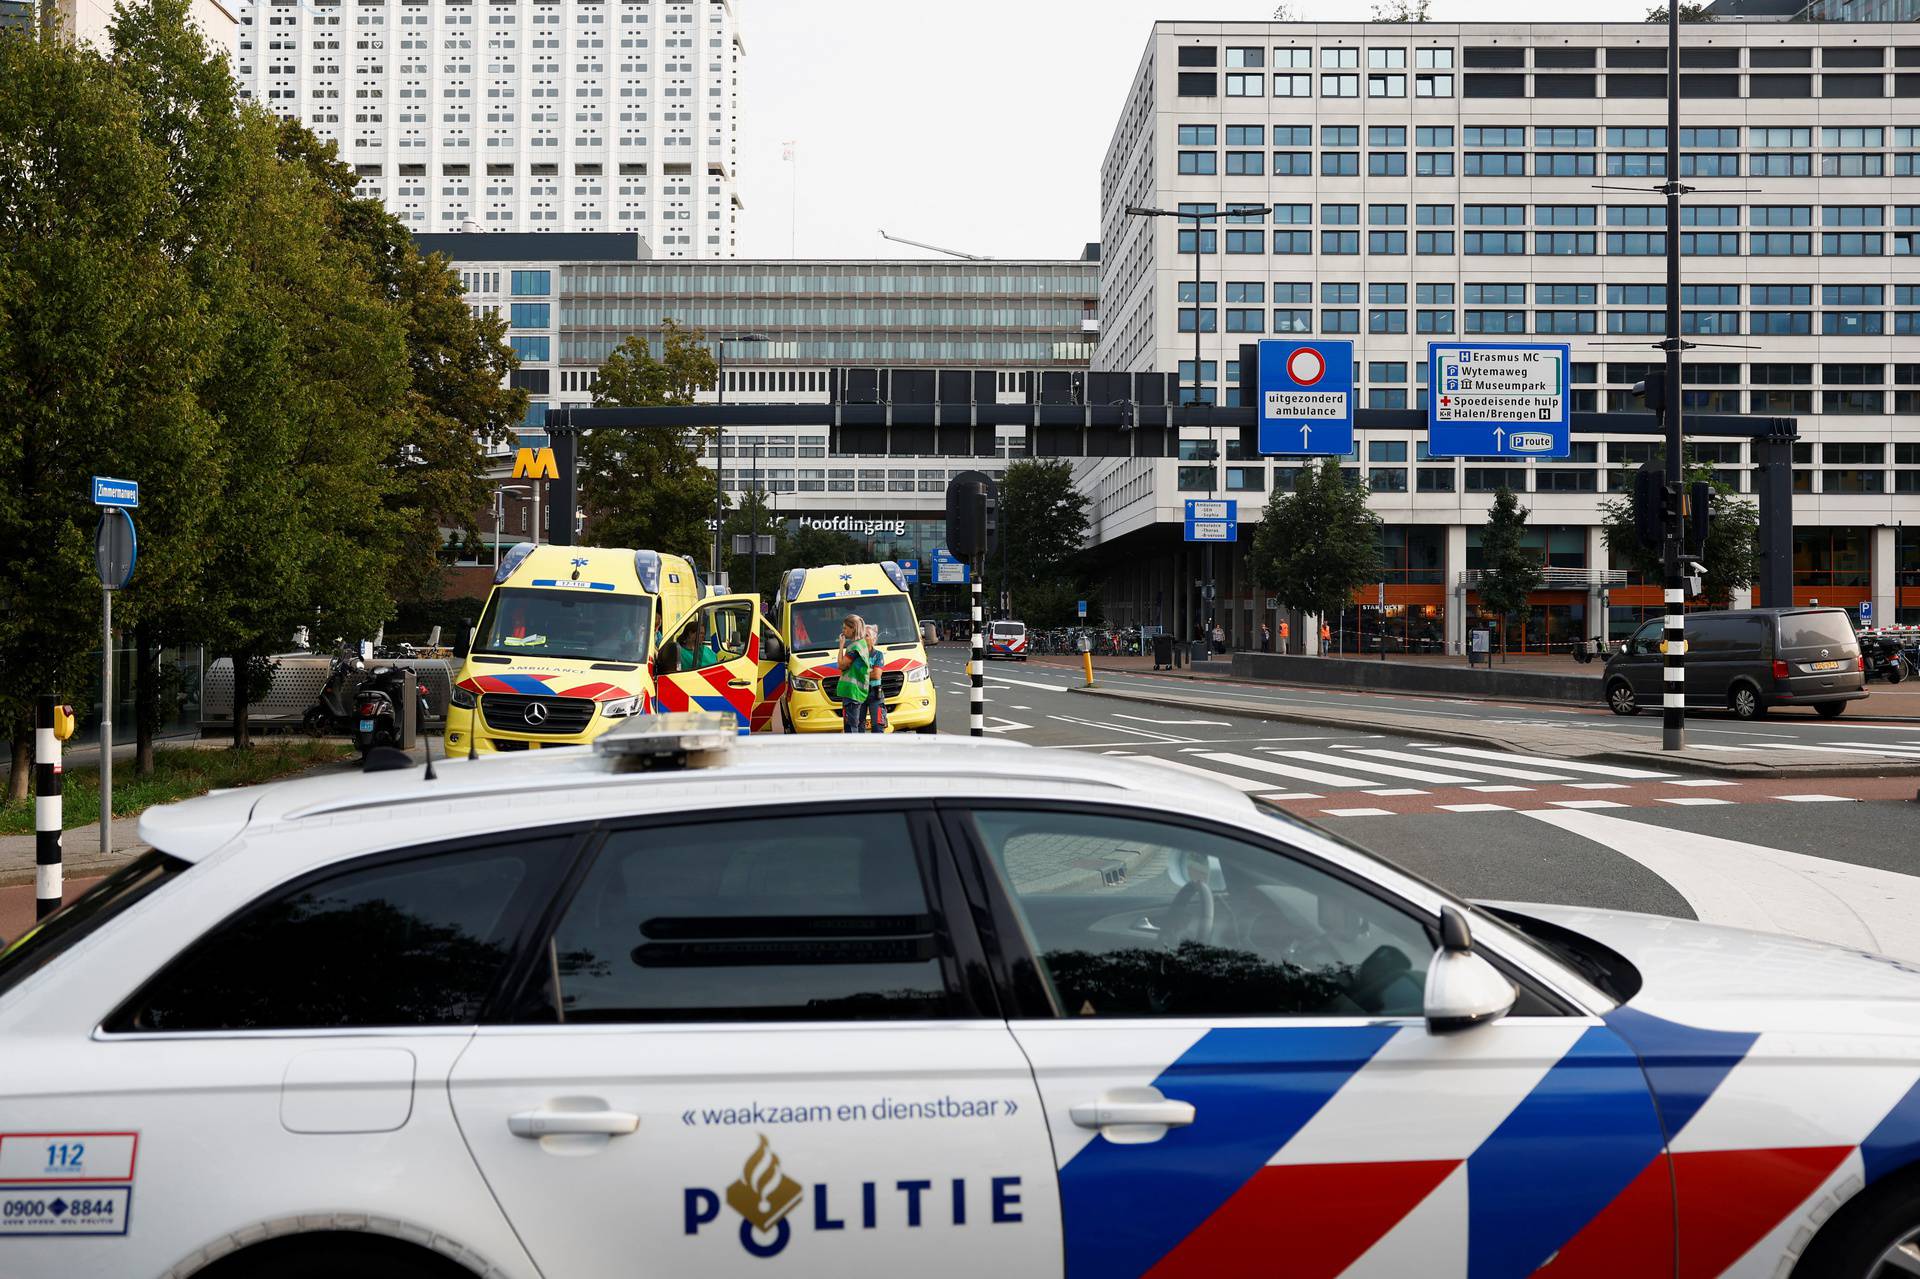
x,y
1673,670
977,695
47,781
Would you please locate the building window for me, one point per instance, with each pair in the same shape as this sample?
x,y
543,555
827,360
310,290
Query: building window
x,y
532,283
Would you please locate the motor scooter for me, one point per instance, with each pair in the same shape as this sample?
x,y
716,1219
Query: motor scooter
x,y
336,710
377,718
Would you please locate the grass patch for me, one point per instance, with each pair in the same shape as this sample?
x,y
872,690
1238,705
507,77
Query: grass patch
x,y
178,773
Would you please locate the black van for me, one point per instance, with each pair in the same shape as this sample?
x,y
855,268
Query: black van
x,y
1746,660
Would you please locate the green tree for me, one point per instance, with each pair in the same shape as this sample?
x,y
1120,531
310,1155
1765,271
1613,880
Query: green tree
x,y
1318,544
457,364
810,546
1510,572
1044,519
754,514
1733,537
647,489
1690,11
1401,10
101,342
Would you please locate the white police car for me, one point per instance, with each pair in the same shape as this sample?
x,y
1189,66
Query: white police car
x,y
685,1005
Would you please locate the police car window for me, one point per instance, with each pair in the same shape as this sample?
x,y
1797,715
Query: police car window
x,y
1135,918
414,942
775,919
46,941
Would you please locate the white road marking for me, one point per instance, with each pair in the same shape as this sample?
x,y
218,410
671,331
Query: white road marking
x,y
1586,803
1142,719
1817,799
1727,881
1884,746
1692,801
1521,774
1247,784
1404,791
1564,765
1288,794
1286,770
999,725
1120,728
1022,708
1501,790
1699,781
1026,683
1598,786
1389,770
1357,812
1474,808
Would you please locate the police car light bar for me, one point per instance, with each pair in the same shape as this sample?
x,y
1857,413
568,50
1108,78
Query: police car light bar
x,y
680,739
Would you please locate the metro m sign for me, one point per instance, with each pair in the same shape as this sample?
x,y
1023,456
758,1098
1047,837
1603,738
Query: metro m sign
x,y
535,464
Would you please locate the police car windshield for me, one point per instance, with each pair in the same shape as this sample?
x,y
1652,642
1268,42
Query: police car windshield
x,y
547,622
816,624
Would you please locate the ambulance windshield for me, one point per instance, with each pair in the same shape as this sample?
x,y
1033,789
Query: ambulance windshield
x,y
589,625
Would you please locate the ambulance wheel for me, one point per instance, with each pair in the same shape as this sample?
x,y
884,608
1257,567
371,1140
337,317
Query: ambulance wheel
x,y
927,728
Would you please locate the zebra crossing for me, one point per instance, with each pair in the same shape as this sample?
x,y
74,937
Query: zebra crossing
x,y
1332,779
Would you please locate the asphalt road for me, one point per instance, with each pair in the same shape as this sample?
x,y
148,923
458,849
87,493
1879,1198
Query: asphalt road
x,y
1832,858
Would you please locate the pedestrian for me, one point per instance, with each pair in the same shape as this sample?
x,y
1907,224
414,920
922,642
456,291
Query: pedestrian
x,y
1266,638
855,657
876,708
1219,639
1326,638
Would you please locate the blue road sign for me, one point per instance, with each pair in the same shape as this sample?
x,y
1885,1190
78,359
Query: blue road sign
x,y
1866,612
1213,520
112,492
1499,399
1306,397
948,571
909,569
1083,610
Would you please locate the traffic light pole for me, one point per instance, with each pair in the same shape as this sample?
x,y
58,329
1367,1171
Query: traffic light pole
x,y
1673,699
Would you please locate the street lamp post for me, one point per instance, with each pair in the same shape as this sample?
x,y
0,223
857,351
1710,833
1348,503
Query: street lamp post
x,y
500,515
720,442
1199,219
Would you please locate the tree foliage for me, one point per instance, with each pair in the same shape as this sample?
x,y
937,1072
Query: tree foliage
x,y
1733,537
1318,544
1690,11
192,297
1044,519
1509,572
647,488
1401,10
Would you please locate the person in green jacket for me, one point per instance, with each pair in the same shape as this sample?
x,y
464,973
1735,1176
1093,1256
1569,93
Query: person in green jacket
x,y
856,659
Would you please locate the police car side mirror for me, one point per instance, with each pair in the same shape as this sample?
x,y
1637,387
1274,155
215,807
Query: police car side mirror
x,y
1463,989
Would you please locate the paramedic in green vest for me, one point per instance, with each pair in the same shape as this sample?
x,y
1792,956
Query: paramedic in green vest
x,y
855,657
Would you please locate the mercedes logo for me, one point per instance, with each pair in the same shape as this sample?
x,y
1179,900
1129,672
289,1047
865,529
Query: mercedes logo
x,y
536,713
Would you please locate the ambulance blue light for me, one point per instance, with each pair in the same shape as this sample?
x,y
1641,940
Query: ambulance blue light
x,y
790,589
894,574
646,566
517,553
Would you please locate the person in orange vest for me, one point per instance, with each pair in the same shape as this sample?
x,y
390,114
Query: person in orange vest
x,y
1326,637
1285,630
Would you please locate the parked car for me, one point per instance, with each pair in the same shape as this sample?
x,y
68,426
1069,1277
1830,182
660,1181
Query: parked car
x,y
1746,660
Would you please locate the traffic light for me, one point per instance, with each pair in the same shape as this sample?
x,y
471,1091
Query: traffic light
x,y
1653,390
968,529
1650,506
1696,516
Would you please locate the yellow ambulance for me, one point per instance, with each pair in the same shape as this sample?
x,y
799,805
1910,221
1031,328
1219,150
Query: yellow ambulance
x,y
564,646
808,610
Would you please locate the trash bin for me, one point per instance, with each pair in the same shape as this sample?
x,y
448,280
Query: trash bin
x,y
1163,652
1202,650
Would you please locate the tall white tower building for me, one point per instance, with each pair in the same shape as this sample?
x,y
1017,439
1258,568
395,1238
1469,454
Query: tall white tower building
x,y
518,115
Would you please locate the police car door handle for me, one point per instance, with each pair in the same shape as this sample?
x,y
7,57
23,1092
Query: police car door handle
x,y
1113,1111
546,1123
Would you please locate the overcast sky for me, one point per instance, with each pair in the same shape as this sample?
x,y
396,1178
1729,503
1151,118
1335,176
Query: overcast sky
x,y
977,126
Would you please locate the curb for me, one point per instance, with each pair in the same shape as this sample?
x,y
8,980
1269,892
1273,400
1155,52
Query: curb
x,y
1475,734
